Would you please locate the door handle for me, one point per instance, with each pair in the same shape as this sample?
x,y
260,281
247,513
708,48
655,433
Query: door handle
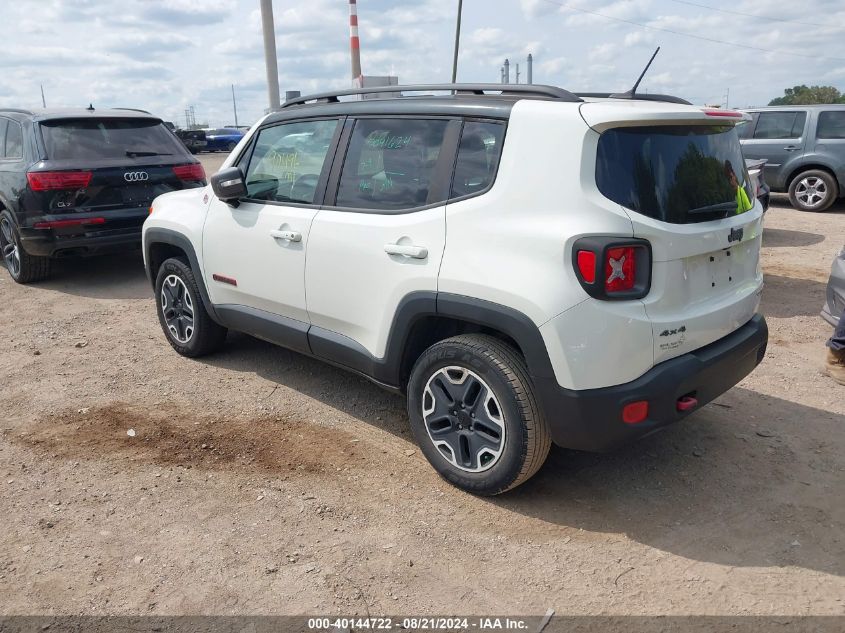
x,y
408,250
290,236
791,148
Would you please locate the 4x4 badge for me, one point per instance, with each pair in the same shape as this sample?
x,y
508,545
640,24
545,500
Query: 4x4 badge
x,y
735,235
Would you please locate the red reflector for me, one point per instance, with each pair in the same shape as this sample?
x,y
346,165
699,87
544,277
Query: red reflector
x,y
620,269
191,171
686,403
635,412
58,224
47,180
727,113
587,266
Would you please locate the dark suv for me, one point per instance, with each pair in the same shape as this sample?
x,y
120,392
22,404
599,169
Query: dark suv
x,y
80,182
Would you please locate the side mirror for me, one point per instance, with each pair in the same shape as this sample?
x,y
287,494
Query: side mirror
x,y
228,184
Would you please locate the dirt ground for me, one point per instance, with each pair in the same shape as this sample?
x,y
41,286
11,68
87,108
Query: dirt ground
x,y
259,481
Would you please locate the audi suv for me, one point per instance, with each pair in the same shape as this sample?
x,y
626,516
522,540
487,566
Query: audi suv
x,y
81,182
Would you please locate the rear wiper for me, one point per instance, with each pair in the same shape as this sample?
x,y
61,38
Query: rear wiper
x,y
137,152
722,206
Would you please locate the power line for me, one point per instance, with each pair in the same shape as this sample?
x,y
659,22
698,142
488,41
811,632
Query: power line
x,y
747,15
697,37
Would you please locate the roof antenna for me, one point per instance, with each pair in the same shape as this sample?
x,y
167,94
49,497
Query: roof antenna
x,y
633,91
90,107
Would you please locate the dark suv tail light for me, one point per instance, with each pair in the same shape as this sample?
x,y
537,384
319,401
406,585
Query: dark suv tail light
x,y
191,171
613,268
50,180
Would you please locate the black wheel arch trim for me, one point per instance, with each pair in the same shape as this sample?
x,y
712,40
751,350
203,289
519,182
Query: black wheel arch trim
x,y
172,238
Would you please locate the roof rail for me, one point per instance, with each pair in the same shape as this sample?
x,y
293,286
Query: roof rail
x,y
538,90
18,110
640,97
134,110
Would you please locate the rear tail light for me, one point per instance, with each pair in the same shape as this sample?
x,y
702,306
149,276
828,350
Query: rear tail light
x,y
191,171
59,224
51,180
587,266
613,268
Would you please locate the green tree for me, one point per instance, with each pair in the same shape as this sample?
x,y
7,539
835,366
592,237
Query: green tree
x,y
808,95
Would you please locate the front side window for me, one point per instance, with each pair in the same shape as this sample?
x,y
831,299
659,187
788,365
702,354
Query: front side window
x,y
680,174
14,140
779,125
478,157
831,124
390,163
287,161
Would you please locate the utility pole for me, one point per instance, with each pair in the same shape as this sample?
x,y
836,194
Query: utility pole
x,y
43,100
234,105
270,60
457,43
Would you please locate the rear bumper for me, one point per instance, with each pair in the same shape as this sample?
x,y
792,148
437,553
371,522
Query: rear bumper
x,y
121,231
591,419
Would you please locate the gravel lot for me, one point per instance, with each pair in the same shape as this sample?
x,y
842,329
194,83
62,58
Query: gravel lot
x,y
259,481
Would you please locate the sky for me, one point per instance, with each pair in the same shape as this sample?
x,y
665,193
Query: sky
x,y
166,55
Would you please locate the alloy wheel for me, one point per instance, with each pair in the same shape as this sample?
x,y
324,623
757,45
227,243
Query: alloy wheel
x,y
177,308
11,255
811,191
464,419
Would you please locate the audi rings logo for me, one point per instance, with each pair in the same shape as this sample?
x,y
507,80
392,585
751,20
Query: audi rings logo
x,y
136,176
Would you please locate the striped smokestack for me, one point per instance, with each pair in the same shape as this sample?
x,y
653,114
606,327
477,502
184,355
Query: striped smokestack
x,y
355,45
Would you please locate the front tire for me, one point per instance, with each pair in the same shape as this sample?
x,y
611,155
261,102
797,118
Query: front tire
x,y
474,414
187,326
813,190
23,267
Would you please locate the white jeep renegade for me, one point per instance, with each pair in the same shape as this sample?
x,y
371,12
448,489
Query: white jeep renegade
x,y
529,266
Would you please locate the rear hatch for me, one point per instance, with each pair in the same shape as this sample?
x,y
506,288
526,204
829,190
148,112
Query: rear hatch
x,y
679,173
110,167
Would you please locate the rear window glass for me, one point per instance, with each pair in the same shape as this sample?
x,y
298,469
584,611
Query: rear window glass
x,y
108,138
831,124
679,174
780,125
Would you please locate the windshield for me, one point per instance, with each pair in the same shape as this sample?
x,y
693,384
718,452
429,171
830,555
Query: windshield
x,y
107,138
678,174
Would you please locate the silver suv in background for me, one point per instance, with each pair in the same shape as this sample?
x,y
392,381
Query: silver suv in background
x,y
805,150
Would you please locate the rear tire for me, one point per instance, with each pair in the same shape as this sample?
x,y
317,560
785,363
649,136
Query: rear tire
x,y
23,267
813,190
187,326
474,414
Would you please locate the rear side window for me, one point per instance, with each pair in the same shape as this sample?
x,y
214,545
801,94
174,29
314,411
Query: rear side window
x,y
831,124
288,160
776,125
108,138
390,163
14,140
478,157
678,174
